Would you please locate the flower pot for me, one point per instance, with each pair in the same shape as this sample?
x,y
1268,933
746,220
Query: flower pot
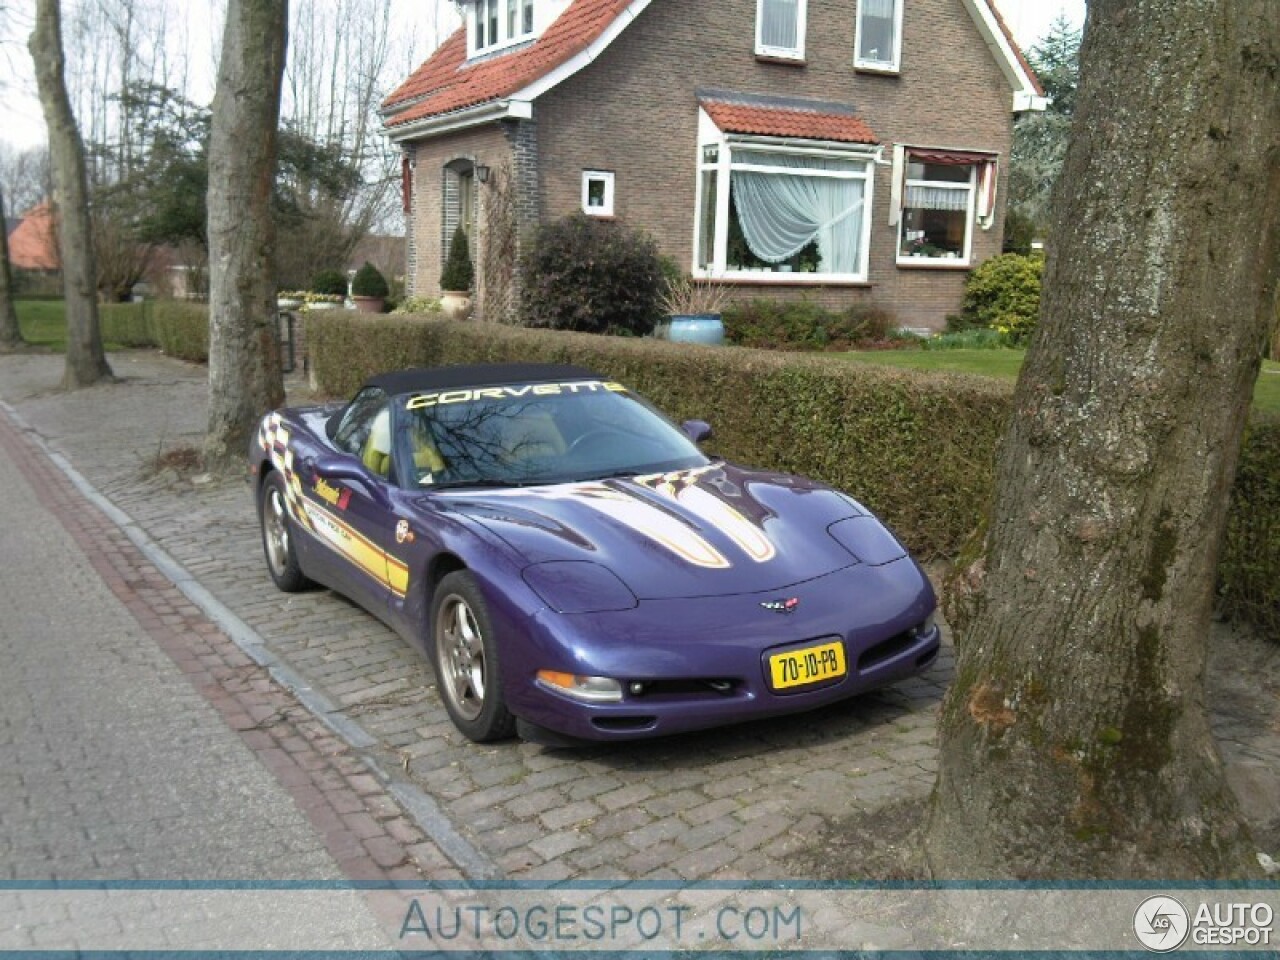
x,y
697,328
370,304
455,304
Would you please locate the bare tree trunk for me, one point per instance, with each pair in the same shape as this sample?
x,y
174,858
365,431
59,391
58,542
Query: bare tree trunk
x,y
86,362
1075,741
10,332
244,358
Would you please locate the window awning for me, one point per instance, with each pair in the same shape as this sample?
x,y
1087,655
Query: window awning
x,y
949,157
794,120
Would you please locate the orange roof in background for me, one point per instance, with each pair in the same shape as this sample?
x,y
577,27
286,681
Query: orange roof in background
x,y
32,245
768,121
446,82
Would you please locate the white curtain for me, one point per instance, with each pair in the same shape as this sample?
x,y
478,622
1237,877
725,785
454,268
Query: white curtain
x,y
781,213
937,198
878,8
778,23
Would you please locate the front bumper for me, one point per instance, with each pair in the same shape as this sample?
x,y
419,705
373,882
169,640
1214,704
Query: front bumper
x,y
705,662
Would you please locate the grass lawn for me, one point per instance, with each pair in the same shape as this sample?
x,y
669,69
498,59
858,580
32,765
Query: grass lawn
x,y
44,324
1006,364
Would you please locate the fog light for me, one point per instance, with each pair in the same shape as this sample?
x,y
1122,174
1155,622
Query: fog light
x,y
637,689
920,629
589,689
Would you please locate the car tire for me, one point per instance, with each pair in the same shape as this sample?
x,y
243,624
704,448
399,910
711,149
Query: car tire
x,y
465,654
277,536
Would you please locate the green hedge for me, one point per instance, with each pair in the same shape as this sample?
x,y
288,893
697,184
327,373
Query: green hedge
x,y
902,440
918,448
178,328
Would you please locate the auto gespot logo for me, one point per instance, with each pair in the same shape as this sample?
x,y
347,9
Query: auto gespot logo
x,y
441,398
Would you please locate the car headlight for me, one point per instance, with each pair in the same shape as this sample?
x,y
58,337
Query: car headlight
x,y
587,689
578,586
867,540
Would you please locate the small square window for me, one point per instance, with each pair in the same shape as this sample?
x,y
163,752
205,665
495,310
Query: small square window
x,y
597,193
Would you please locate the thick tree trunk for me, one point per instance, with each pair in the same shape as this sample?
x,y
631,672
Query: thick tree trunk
x,y
10,332
244,358
1074,740
86,362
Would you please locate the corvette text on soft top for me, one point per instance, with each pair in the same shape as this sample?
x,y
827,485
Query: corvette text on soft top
x,y
440,399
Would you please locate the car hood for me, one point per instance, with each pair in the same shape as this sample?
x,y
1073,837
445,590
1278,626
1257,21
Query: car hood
x,y
711,531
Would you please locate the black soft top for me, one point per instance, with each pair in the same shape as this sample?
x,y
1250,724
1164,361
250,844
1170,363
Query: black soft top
x,y
476,375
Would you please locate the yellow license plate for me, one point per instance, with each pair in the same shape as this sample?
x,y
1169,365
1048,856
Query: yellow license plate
x,y
796,668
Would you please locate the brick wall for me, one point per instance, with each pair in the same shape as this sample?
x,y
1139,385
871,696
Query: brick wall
x,y
634,112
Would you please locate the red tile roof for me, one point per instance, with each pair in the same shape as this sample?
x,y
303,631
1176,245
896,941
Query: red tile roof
x,y
785,122
446,82
32,245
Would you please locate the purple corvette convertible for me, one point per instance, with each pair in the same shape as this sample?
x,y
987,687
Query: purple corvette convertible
x,y
574,566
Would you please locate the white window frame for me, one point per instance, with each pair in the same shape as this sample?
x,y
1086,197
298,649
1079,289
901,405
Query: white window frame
x,y
970,218
478,8
711,136
879,66
782,53
598,176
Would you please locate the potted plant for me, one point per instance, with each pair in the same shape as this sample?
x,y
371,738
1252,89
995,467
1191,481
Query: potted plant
x,y
457,278
695,309
369,289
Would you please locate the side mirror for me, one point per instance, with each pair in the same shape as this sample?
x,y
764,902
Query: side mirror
x,y
350,470
698,431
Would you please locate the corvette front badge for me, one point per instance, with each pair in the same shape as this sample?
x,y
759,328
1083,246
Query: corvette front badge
x,y
782,606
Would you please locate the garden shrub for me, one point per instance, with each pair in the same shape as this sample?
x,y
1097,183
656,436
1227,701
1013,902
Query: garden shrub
x,y
592,276
369,282
331,282
1249,568
1003,293
919,448
179,328
804,325
126,324
459,274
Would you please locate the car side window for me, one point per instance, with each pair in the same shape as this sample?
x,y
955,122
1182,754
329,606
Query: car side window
x,y
353,432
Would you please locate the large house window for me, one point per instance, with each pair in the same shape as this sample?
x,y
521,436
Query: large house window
x,y
778,213
498,23
780,28
943,195
878,38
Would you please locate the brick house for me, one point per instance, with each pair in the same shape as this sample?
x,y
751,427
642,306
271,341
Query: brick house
x,y
844,150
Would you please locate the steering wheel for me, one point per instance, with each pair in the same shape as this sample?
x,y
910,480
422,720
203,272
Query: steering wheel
x,y
596,434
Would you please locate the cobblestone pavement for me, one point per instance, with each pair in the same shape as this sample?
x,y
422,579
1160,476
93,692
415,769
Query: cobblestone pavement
x,y
727,804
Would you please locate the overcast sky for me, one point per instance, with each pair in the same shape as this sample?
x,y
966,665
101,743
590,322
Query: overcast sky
x,y
22,125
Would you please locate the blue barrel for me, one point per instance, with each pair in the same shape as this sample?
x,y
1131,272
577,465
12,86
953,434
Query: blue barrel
x,y
697,328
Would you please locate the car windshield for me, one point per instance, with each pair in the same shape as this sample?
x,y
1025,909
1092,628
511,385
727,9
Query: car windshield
x,y
527,434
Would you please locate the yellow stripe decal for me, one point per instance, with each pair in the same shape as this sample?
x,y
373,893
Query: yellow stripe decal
x,y
359,549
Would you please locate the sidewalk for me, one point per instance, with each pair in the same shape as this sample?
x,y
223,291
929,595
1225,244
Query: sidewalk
x,y
748,802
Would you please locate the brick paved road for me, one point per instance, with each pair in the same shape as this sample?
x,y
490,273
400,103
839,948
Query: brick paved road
x,y
735,803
